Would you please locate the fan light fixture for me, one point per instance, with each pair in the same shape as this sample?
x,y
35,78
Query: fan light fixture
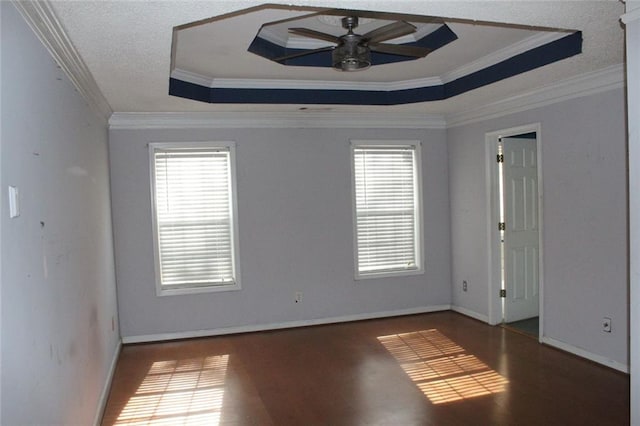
x,y
351,55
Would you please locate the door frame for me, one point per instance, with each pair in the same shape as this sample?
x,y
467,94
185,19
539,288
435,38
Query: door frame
x,y
493,213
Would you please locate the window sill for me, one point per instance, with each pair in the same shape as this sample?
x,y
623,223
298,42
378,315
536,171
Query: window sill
x,y
161,292
388,274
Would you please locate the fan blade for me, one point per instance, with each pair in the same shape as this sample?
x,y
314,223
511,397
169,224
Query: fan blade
x,y
390,31
306,52
400,49
306,32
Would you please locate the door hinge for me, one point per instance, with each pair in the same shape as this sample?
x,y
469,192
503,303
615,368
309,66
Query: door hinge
x,y
502,226
503,293
500,158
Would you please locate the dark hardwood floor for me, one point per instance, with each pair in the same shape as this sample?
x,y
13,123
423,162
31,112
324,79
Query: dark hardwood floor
x,y
432,369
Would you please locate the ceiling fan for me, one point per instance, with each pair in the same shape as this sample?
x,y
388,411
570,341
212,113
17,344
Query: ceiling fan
x,y
353,51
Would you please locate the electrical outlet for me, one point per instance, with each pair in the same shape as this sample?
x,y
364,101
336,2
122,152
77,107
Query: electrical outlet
x,y
606,325
464,285
298,297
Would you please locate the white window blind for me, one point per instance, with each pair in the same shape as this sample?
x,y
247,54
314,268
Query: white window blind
x,y
387,217
194,217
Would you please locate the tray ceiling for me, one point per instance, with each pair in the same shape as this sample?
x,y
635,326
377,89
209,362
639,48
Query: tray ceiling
x,y
226,60
127,48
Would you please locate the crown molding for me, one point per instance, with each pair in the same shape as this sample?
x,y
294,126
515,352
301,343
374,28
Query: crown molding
x,y
192,77
239,83
583,85
608,78
632,14
41,18
295,120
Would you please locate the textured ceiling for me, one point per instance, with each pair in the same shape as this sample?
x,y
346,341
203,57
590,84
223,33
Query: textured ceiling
x,y
127,44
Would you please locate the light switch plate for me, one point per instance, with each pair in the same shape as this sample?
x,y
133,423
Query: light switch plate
x,y
14,205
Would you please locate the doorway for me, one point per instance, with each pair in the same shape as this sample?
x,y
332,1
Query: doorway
x,y
515,228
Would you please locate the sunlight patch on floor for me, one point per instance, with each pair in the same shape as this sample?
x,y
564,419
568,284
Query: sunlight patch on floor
x,y
442,370
184,392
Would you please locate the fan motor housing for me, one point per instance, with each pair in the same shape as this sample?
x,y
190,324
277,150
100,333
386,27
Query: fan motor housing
x,y
351,54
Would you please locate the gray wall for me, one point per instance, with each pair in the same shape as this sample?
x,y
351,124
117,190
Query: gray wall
x,y
584,213
58,285
295,226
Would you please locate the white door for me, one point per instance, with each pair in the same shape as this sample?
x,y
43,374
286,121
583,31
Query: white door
x,y
520,192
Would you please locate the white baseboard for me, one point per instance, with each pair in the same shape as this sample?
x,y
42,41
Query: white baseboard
x,y
102,402
470,313
585,354
277,326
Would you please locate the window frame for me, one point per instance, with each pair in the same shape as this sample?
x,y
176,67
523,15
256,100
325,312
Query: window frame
x,y
207,288
419,225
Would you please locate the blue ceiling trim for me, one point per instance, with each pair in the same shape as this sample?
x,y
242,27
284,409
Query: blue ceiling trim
x,y
189,90
537,57
434,40
266,49
313,96
563,48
